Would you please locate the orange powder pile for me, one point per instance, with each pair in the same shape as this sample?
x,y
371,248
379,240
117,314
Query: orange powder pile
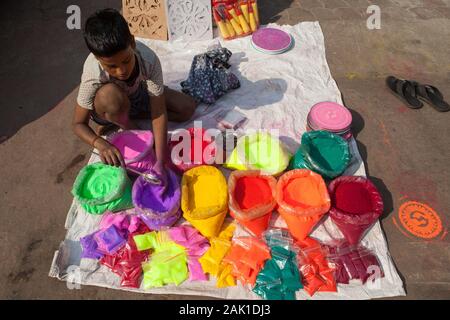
x,y
303,192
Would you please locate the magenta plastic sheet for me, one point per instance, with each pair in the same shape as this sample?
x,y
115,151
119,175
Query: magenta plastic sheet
x,y
158,205
196,246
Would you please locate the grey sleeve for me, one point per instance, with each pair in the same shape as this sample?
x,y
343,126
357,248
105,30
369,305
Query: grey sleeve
x,y
90,83
155,82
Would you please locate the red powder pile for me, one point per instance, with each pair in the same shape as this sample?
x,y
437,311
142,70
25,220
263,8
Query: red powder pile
x,y
252,191
353,198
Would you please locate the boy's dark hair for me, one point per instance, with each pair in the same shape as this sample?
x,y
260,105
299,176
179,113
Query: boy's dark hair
x,y
106,32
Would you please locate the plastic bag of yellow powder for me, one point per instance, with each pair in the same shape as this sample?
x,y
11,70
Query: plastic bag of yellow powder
x,y
211,261
259,151
204,199
168,262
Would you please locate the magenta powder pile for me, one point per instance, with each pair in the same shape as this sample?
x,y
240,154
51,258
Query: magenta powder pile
x,y
353,198
356,205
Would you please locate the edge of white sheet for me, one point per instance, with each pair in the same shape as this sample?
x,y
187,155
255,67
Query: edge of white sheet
x,y
305,86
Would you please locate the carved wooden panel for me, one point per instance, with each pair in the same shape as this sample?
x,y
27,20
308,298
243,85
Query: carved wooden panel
x,y
146,18
189,19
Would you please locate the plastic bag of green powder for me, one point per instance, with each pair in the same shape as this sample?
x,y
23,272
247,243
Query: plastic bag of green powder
x,y
100,187
323,152
280,277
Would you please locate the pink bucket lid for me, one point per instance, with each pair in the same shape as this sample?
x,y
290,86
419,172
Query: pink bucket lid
x,y
271,39
330,116
134,145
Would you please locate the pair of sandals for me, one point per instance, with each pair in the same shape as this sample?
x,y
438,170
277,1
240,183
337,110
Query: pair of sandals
x,y
413,93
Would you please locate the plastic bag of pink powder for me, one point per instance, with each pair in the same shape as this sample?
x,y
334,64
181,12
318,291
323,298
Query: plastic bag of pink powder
x,y
199,150
136,147
127,261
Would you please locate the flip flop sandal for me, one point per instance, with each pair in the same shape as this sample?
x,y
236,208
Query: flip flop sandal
x,y
405,90
432,96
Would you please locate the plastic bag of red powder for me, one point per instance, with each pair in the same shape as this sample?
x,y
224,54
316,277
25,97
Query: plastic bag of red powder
x,y
368,263
252,199
356,204
341,275
353,262
127,262
317,272
199,150
247,256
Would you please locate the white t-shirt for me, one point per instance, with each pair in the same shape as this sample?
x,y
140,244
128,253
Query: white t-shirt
x,y
94,76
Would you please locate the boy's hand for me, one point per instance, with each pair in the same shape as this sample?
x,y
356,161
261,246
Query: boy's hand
x,y
160,171
109,153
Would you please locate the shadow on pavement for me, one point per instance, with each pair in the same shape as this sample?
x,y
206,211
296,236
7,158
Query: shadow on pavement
x,y
41,58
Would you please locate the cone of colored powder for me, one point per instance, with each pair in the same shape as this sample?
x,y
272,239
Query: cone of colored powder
x,y
252,199
136,147
259,151
323,152
303,199
204,199
158,204
199,150
100,187
356,204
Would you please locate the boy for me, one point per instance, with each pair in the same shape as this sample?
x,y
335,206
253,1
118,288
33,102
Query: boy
x,y
123,80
